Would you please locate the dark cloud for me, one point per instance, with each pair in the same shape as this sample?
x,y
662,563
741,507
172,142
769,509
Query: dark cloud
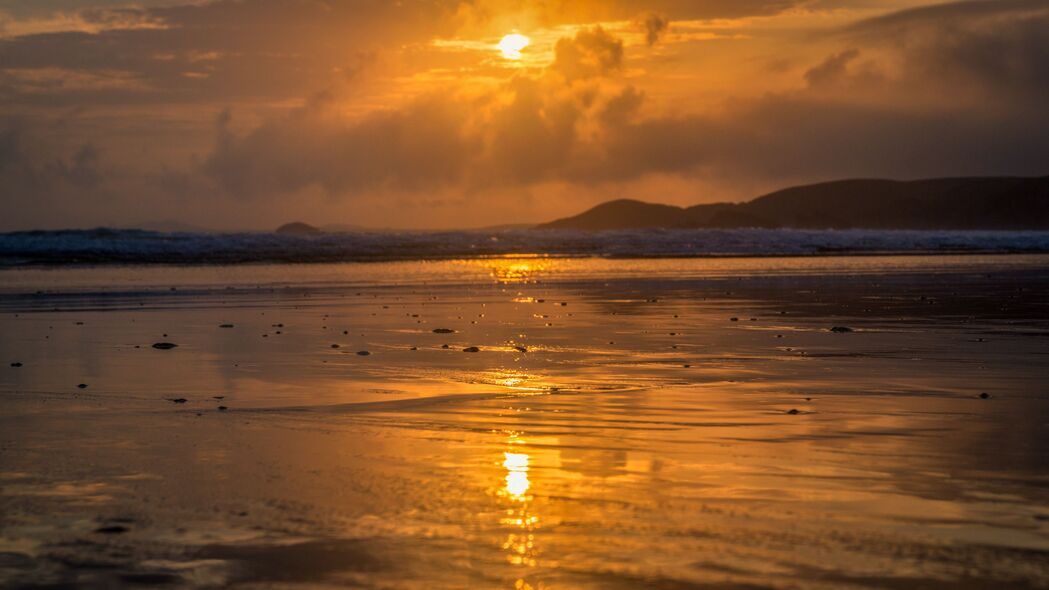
x,y
654,25
997,49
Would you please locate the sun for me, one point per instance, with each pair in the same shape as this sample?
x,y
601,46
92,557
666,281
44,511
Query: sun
x,y
512,45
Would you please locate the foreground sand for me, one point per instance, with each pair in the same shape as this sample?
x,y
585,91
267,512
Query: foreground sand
x,y
643,439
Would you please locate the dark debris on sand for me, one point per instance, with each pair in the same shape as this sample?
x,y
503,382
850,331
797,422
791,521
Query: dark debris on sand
x,y
841,329
164,345
471,349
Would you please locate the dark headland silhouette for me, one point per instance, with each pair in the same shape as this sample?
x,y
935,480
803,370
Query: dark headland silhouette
x,y
298,228
1011,203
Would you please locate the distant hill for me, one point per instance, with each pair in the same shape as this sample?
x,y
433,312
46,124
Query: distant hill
x,y
298,228
943,203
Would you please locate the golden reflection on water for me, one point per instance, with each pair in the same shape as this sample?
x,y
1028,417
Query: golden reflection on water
x,y
519,517
518,268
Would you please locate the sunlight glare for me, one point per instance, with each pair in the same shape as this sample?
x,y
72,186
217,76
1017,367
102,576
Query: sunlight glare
x,y
512,45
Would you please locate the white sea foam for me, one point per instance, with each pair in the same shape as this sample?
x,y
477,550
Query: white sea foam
x,y
108,246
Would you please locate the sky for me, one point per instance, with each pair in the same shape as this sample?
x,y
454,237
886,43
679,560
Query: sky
x,y
246,114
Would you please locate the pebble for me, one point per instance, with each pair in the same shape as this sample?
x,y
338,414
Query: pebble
x,y
112,530
443,331
985,395
363,353
225,325
793,412
164,345
16,365
178,400
82,386
471,349
841,329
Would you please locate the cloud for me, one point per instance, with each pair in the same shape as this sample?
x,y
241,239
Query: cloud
x,y
831,69
654,25
945,90
998,50
591,53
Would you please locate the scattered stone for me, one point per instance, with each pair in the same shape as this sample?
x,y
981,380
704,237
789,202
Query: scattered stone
x,y
334,345
414,348
841,329
223,408
218,397
363,353
16,365
564,304
687,366
115,529
471,349
733,319
443,331
225,325
985,395
793,412
520,349
164,345
445,346
178,400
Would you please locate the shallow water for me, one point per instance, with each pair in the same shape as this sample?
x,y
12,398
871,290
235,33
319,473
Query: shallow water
x,y
644,439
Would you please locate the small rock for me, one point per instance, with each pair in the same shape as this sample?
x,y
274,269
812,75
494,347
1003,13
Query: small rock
x,y
82,386
334,345
223,408
363,353
225,325
443,331
164,345
840,329
218,397
471,349
985,395
520,349
445,346
733,319
414,348
178,400
793,412
16,365
115,529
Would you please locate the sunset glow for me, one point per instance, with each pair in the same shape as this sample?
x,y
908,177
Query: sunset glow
x,y
524,294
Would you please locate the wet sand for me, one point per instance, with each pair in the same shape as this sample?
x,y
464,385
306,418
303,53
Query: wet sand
x,y
624,424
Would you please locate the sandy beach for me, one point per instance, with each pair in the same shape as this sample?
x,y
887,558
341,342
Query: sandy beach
x,y
520,422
